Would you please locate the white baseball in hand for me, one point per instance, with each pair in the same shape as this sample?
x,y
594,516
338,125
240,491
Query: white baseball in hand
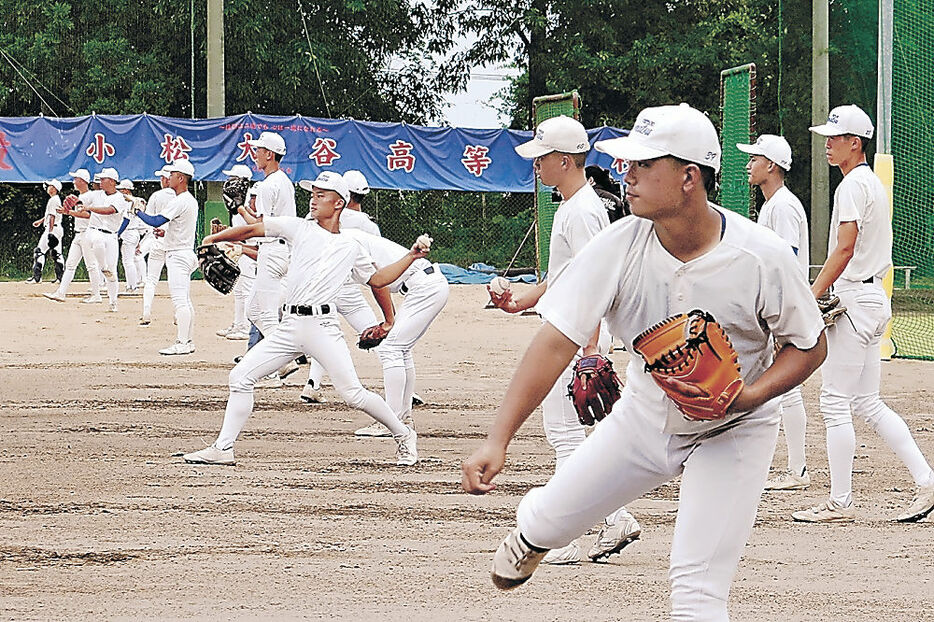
x,y
499,286
424,242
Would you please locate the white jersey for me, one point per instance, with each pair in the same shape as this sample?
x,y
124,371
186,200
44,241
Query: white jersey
x,y
749,282
182,212
784,214
109,223
275,195
385,252
352,219
86,198
51,209
157,201
862,198
576,222
134,221
321,261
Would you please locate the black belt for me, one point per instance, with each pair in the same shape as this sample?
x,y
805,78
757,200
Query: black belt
x,y
279,240
307,309
404,289
870,280
103,230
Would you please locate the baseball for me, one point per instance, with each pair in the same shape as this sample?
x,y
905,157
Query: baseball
x,y
499,285
424,242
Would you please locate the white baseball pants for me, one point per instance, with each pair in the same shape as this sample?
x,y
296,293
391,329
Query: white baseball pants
x,y
794,424
851,378
272,264
180,265
627,455
80,249
318,337
129,241
105,249
241,292
154,263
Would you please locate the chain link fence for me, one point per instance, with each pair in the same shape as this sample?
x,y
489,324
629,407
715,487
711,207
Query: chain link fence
x,y
468,227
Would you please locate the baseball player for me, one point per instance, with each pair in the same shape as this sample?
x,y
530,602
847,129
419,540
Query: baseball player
x,y
782,212
131,233
80,248
179,218
106,217
634,274
154,247
52,234
559,152
239,329
350,301
859,255
320,261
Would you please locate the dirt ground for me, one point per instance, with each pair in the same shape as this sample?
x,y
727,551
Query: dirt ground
x,y
100,518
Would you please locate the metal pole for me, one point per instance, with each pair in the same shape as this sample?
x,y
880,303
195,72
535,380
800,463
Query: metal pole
x,y
216,96
820,107
884,87
192,43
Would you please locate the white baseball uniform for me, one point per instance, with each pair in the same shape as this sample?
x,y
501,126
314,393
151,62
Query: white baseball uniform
x,y
102,237
319,265
46,245
350,301
155,259
784,214
136,230
180,260
645,441
275,197
851,374
425,292
81,249
244,285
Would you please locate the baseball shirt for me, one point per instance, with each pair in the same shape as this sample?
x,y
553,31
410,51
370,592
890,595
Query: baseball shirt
x,y
385,252
862,198
784,214
576,221
182,212
109,223
352,219
51,209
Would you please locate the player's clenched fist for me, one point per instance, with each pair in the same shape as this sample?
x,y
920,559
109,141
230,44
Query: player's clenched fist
x,y
481,467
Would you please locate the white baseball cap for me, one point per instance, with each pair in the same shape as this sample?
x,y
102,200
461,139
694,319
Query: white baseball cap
x,y
356,182
54,183
181,166
81,173
97,178
271,141
561,133
328,180
846,120
162,173
239,170
775,148
125,184
680,131
110,173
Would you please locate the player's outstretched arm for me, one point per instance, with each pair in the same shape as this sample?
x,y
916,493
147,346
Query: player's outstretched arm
x,y
236,234
387,274
384,301
509,304
546,357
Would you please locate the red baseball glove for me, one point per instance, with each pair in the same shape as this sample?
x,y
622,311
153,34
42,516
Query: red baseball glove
x,y
594,389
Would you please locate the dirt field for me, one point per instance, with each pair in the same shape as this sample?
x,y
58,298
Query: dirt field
x,y
100,518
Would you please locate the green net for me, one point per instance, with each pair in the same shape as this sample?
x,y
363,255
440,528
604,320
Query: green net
x,y
737,116
543,108
912,148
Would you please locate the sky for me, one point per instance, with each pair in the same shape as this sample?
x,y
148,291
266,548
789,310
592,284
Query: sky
x,y
474,108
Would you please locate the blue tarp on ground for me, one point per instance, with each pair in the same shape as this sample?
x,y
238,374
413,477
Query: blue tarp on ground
x,y
478,273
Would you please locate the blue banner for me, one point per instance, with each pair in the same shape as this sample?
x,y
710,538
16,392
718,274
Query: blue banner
x,y
391,155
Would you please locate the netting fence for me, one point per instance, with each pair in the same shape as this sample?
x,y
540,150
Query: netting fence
x,y
468,227
738,113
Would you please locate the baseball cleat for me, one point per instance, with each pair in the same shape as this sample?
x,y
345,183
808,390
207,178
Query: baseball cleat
x,y
238,335
288,369
827,512
31,280
311,395
55,296
375,429
789,481
212,455
178,347
614,538
272,381
566,555
112,308
920,507
514,561
417,400
145,320
92,300
407,451
224,331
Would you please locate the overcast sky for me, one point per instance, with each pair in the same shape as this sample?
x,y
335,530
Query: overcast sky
x,y
475,107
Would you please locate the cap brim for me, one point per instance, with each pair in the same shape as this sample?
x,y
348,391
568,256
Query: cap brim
x,y
533,149
827,130
625,148
229,174
750,149
306,184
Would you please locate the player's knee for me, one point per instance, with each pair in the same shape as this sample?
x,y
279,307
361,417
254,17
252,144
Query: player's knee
x,y
408,359
871,409
389,356
240,380
793,398
355,396
835,409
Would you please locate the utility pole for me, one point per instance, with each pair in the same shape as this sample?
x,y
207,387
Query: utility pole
x,y
215,78
820,108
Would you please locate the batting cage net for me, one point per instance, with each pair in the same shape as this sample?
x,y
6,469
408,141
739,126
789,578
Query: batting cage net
x,y
912,146
738,118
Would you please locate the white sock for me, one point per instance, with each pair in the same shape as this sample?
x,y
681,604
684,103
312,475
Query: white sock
x,y
376,407
149,293
794,422
315,373
409,389
894,431
239,408
841,446
112,289
183,317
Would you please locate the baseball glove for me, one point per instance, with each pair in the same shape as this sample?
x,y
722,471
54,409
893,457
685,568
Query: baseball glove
x,y
219,265
830,308
372,337
594,388
235,189
70,201
695,350
217,226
